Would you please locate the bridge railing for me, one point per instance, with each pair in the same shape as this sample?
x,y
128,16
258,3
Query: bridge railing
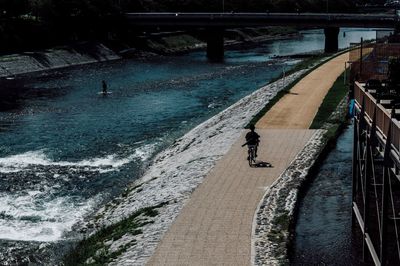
x,y
383,115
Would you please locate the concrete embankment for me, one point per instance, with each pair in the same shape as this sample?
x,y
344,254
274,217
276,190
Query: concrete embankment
x,y
78,54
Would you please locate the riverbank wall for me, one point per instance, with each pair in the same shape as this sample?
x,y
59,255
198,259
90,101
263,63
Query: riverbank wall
x,y
66,56
149,46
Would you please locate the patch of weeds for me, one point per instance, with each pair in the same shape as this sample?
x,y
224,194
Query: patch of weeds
x,y
180,41
331,101
282,221
279,233
94,251
126,192
151,213
121,250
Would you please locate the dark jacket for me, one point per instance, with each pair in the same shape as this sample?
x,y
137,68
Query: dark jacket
x,y
252,138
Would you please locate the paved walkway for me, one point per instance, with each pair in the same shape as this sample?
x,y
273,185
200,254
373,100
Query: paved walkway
x,y
298,108
215,226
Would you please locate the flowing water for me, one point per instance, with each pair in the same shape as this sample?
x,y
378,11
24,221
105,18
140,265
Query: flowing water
x,y
323,227
65,149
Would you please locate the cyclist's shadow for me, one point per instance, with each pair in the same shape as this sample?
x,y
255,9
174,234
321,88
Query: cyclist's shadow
x,y
261,164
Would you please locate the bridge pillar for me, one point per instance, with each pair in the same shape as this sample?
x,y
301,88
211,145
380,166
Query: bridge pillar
x,y
215,44
331,39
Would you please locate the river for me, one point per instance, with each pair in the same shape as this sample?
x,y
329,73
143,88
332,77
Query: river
x,y
323,233
65,150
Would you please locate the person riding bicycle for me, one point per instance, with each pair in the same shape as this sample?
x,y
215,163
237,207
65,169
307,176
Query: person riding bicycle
x,y
252,139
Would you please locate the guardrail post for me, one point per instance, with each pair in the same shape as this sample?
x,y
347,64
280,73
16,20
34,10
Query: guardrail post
x,y
215,44
331,39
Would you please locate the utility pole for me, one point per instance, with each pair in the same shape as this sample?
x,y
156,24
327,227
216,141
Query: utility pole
x,y
223,6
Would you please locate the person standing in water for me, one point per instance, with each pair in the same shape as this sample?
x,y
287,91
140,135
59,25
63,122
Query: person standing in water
x,y
104,87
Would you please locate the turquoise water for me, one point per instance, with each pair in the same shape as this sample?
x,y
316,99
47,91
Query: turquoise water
x,y
65,149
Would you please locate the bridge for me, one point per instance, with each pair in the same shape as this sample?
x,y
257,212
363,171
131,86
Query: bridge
x,y
214,24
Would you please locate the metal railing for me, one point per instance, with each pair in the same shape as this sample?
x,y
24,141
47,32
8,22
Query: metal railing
x,y
383,115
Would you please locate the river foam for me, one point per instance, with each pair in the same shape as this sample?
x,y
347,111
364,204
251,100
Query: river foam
x,y
27,160
39,200
27,218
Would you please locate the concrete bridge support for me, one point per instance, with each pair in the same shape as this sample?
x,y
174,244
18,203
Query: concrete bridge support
x,y
215,44
331,39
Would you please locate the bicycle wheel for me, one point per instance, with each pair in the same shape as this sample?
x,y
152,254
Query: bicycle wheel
x,y
251,156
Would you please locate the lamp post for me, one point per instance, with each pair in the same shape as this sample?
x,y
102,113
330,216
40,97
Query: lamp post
x,y
223,6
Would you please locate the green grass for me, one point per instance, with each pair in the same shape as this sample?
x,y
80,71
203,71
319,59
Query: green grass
x,y
180,41
331,101
94,246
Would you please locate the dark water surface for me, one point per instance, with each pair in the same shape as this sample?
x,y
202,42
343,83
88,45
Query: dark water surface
x,y
323,229
65,149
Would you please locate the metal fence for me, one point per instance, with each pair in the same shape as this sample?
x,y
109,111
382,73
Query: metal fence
x,y
383,115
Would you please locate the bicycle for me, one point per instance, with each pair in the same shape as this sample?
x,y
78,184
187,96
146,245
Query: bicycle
x,y
251,155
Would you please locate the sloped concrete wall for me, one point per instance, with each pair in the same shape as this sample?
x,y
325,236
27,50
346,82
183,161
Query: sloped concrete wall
x,y
54,58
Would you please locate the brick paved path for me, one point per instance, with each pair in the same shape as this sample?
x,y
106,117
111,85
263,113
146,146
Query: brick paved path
x,y
298,108
214,227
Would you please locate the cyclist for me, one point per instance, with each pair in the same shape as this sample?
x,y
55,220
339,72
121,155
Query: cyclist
x,y
252,139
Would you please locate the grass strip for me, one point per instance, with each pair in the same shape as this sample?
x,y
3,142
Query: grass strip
x,y
329,104
94,250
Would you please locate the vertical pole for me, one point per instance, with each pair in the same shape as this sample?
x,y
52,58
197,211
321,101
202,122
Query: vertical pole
x,y
367,181
331,39
361,56
283,80
385,197
355,169
384,215
215,44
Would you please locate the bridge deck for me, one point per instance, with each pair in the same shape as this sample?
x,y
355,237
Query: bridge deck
x,y
237,20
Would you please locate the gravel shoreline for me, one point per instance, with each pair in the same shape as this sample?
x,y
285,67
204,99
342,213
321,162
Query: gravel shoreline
x,y
272,219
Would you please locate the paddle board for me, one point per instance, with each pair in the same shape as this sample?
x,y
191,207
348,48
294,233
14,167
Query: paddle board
x,y
104,93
